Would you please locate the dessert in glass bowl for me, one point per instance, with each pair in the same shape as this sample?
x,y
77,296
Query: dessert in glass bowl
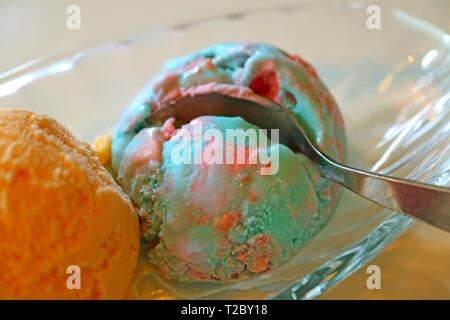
x,y
391,89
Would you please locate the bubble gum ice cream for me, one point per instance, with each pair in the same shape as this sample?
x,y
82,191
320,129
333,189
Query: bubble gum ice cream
x,y
58,208
227,221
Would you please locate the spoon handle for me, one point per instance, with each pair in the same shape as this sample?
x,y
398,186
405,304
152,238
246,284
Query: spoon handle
x,y
419,200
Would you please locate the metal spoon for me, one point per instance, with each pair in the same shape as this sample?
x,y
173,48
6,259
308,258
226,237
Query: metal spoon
x,y
422,201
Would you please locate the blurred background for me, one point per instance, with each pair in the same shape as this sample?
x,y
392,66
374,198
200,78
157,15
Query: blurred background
x,y
416,266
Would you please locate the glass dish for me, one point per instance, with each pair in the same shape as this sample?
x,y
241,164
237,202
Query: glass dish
x,y
392,86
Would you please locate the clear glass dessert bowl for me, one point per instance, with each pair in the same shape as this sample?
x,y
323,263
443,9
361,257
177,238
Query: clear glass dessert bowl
x,y
392,85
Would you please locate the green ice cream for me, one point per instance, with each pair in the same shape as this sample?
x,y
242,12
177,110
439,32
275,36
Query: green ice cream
x,y
224,221
207,221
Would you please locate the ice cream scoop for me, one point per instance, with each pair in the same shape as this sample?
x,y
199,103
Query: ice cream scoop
x,y
226,222
61,213
215,220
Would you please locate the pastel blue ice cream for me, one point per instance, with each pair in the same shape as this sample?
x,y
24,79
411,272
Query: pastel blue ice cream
x,y
209,222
